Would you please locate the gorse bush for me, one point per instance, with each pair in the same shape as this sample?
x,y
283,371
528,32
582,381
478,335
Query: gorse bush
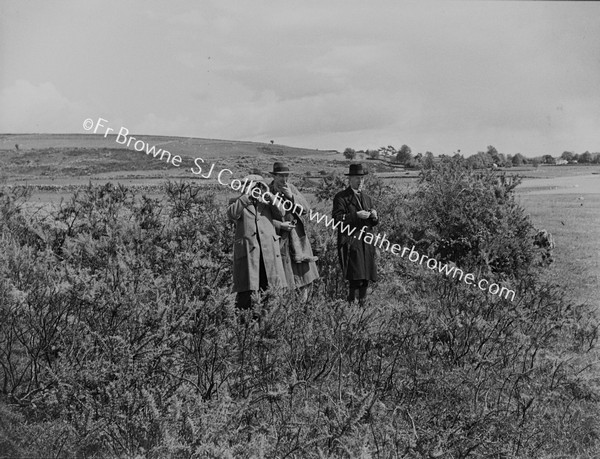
x,y
118,337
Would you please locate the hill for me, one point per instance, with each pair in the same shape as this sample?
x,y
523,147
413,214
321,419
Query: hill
x,y
76,155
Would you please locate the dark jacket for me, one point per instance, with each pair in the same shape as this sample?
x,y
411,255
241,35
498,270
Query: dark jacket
x,y
357,257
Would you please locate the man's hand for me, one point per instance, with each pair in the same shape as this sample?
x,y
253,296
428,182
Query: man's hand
x,y
267,197
287,226
374,214
287,192
363,214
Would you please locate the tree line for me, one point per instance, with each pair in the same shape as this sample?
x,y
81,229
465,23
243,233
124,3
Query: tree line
x,y
481,160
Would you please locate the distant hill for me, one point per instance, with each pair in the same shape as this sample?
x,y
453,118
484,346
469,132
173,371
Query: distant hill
x,y
190,147
79,155
184,146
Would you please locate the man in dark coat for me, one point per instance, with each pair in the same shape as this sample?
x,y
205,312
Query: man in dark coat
x,y
354,210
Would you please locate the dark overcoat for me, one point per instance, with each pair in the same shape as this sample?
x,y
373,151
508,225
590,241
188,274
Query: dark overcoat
x,y
255,233
297,274
357,257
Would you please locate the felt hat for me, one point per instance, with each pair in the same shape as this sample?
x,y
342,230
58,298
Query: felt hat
x,y
280,168
357,169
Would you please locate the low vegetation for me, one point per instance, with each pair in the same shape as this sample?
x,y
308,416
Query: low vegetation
x,y
118,335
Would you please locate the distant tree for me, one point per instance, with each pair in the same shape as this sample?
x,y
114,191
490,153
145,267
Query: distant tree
x,y
17,146
481,160
416,162
404,154
548,159
272,142
374,154
428,162
476,161
492,152
350,153
459,159
519,160
509,159
568,155
575,157
490,157
536,162
585,157
596,159
502,162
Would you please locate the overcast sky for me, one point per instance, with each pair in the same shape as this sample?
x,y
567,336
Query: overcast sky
x,y
438,76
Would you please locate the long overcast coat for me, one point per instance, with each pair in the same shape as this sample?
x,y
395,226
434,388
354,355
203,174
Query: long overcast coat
x,y
356,256
254,232
297,274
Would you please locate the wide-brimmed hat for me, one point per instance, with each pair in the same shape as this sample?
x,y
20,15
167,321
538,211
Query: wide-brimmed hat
x,y
357,169
280,169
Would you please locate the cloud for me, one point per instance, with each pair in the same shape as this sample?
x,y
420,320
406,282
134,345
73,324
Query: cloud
x,y
153,124
26,107
436,75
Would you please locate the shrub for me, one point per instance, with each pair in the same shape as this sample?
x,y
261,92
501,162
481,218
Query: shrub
x,y
118,337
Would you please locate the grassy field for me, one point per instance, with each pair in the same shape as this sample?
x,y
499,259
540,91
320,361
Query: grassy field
x,y
574,221
565,200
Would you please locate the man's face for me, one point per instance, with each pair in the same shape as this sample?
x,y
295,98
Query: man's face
x,y
356,182
280,180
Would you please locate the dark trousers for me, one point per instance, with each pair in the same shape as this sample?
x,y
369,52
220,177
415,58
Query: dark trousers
x,y
358,289
243,300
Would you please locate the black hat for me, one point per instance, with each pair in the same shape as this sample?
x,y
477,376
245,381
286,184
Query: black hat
x,y
280,168
357,169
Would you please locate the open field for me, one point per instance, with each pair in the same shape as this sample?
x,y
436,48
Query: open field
x,y
574,221
565,200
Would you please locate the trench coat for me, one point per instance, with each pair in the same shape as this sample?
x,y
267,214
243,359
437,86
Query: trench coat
x,y
296,274
255,234
357,257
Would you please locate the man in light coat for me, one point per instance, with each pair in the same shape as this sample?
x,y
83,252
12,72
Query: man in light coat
x,y
296,253
257,261
353,207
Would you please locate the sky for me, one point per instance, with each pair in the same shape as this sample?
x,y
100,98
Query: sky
x,y
439,76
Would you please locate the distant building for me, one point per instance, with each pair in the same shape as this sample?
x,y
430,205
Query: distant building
x,y
560,162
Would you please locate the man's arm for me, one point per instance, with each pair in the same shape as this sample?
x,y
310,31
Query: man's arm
x,y
341,211
236,208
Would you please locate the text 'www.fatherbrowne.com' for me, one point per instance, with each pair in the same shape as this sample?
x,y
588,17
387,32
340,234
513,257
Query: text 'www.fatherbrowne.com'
x,y
414,256
123,137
